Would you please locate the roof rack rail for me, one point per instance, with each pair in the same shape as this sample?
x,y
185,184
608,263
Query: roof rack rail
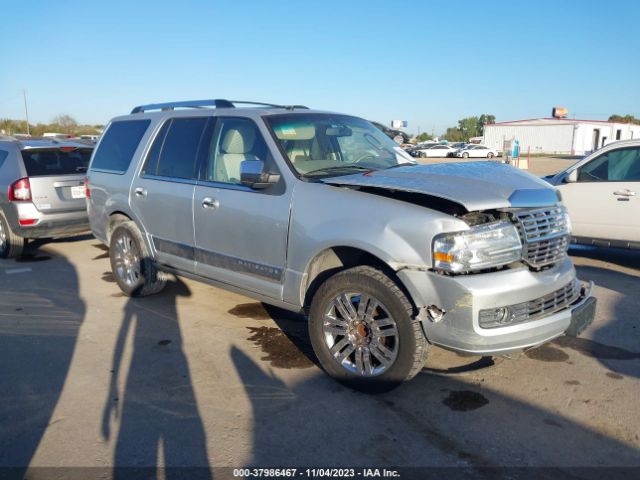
x,y
217,103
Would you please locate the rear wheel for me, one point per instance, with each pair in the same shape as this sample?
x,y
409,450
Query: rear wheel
x,y
131,263
363,333
11,245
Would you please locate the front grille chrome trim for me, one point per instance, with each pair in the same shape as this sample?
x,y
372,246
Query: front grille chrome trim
x,y
544,233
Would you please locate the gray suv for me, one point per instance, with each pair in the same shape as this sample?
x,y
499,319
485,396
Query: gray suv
x,y
42,191
322,213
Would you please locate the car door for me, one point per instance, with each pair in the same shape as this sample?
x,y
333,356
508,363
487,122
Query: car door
x,y
162,194
479,152
437,151
604,202
240,233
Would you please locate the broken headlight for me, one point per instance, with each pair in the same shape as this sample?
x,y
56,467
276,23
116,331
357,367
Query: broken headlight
x,y
481,247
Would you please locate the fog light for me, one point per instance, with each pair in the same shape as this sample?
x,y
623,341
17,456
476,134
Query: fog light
x,y
495,317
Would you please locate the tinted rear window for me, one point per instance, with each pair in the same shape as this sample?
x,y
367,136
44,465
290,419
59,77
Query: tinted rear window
x,y
3,156
53,161
118,145
173,153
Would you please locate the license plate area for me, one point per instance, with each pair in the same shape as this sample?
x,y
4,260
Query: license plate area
x,y
78,192
581,317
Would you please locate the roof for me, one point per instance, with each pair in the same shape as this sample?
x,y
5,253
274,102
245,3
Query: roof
x,y
52,143
552,121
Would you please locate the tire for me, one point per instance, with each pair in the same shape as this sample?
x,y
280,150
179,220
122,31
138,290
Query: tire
x,y
399,139
489,155
11,245
465,155
371,349
131,263
422,155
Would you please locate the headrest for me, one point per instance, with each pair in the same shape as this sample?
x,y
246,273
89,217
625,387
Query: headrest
x,y
295,131
239,138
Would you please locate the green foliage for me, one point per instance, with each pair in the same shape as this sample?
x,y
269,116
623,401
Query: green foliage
x,y
60,124
625,119
423,137
468,127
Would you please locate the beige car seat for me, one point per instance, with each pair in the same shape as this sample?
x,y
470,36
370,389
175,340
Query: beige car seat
x,y
237,142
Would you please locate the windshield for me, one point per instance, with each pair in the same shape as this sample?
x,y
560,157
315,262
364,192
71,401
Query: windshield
x,y
325,144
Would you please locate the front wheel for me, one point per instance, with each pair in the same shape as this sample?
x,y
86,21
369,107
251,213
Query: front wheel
x,y
362,330
465,155
11,245
489,155
131,263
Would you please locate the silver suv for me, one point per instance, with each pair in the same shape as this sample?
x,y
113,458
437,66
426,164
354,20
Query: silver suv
x,y
322,213
42,191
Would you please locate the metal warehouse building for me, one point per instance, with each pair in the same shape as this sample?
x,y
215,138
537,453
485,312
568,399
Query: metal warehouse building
x,y
558,135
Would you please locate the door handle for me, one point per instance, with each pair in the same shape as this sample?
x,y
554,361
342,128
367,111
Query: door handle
x,y
210,203
140,192
625,193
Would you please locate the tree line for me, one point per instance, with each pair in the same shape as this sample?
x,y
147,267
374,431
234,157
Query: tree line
x,y
625,119
62,123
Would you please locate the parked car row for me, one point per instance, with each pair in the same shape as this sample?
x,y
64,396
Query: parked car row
x,y
321,213
459,150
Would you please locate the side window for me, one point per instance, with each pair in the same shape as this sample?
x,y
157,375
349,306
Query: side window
x,y
151,163
234,140
118,145
3,156
621,165
175,152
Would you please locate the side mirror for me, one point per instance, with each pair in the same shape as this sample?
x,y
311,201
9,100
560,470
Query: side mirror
x,y
252,175
572,177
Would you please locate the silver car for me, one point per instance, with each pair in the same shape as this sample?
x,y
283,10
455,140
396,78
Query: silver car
x,y
321,213
42,191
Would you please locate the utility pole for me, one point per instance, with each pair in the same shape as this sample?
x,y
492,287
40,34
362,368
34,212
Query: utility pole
x,y
26,112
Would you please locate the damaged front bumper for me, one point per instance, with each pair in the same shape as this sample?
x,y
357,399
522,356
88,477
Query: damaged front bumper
x,y
521,291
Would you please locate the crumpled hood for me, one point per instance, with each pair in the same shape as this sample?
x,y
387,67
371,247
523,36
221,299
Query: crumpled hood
x,y
474,185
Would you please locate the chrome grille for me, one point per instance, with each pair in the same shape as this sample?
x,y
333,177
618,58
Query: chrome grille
x,y
531,310
544,233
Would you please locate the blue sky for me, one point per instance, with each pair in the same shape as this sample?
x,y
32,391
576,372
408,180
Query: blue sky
x,y
428,62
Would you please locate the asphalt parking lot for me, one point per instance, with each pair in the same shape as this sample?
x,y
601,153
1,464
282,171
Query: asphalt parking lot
x,y
198,376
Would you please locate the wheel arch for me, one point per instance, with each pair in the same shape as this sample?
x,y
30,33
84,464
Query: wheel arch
x,y
335,259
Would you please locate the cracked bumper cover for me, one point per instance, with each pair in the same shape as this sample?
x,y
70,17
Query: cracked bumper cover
x,y
463,296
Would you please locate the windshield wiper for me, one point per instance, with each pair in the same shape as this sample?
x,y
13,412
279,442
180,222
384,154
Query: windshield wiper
x,y
338,168
405,164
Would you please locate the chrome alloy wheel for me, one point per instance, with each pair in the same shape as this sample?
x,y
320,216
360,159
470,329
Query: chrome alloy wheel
x,y
127,260
361,334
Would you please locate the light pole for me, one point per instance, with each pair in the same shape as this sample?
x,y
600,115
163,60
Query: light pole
x,y
26,112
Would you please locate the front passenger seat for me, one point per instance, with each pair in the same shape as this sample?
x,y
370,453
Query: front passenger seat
x,y
238,141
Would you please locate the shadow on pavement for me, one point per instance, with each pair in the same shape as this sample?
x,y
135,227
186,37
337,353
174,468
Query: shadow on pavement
x,y
615,343
434,421
156,412
39,328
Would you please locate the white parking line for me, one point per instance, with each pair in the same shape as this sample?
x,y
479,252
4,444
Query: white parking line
x,y
9,271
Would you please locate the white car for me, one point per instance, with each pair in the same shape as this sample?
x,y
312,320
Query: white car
x,y
602,194
436,151
477,151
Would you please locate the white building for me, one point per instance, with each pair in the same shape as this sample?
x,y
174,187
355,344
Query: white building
x,y
558,135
